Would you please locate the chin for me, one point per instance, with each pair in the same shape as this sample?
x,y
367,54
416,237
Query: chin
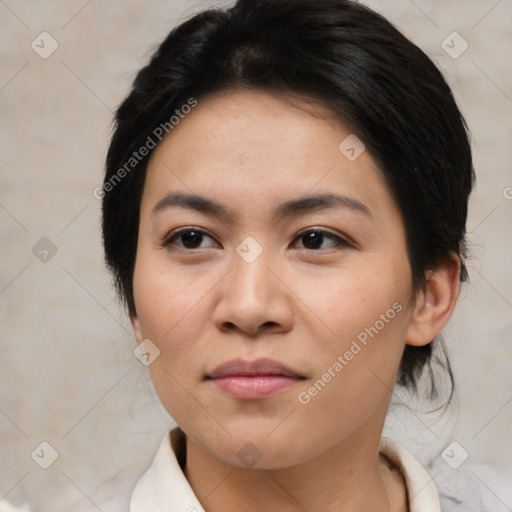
x,y
253,448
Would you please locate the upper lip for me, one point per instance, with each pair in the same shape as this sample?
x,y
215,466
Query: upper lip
x,y
262,366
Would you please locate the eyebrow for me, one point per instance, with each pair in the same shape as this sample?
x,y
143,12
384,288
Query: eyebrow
x,y
290,208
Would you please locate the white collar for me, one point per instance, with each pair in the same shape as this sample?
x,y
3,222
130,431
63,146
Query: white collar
x,y
164,487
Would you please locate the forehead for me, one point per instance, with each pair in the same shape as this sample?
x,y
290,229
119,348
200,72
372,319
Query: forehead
x,y
243,123
257,147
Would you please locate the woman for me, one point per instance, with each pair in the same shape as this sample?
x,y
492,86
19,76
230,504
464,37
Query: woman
x,y
284,212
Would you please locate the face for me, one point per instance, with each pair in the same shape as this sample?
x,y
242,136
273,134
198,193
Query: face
x,y
289,264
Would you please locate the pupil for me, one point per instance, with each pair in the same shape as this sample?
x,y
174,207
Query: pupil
x,y
313,238
192,238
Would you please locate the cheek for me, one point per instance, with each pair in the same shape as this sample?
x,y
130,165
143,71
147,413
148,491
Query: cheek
x,y
358,355
352,302
164,297
171,311
171,315
355,369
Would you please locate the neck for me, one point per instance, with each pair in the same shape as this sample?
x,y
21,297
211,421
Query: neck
x,y
350,476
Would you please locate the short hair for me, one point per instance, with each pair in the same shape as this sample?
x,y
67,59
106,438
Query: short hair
x,y
354,61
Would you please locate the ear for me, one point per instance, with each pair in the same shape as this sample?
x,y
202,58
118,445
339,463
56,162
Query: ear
x,y
435,302
134,320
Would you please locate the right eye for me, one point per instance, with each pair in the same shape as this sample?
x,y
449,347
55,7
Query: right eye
x,y
187,238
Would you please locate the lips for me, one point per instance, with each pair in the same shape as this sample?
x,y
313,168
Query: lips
x,y
239,367
253,380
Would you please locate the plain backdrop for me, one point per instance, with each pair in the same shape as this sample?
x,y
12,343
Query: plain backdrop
x,y
67,369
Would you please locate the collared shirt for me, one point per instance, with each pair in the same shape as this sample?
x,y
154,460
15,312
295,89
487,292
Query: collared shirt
x,y
461,487
164,487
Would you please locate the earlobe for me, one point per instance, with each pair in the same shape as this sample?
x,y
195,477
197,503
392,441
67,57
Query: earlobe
x,y
435,302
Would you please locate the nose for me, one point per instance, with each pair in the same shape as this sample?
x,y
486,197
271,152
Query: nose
x,y
253,299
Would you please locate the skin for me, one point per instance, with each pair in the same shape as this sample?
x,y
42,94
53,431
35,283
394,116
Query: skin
x,y
299,304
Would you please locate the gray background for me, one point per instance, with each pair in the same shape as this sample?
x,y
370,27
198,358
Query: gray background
x,y
68,375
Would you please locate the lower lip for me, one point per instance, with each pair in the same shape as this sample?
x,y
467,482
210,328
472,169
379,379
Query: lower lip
x,y
250,387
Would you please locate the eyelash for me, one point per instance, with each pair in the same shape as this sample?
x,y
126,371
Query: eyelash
x,y
173,235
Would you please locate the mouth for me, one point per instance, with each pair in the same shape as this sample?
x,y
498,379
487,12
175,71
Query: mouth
x,y
252,380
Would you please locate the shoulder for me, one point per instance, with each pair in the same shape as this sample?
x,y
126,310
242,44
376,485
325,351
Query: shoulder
x,y
112,495
467,488
472,487
421,491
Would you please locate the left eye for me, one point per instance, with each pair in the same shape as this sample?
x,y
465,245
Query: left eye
x,y
315,238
